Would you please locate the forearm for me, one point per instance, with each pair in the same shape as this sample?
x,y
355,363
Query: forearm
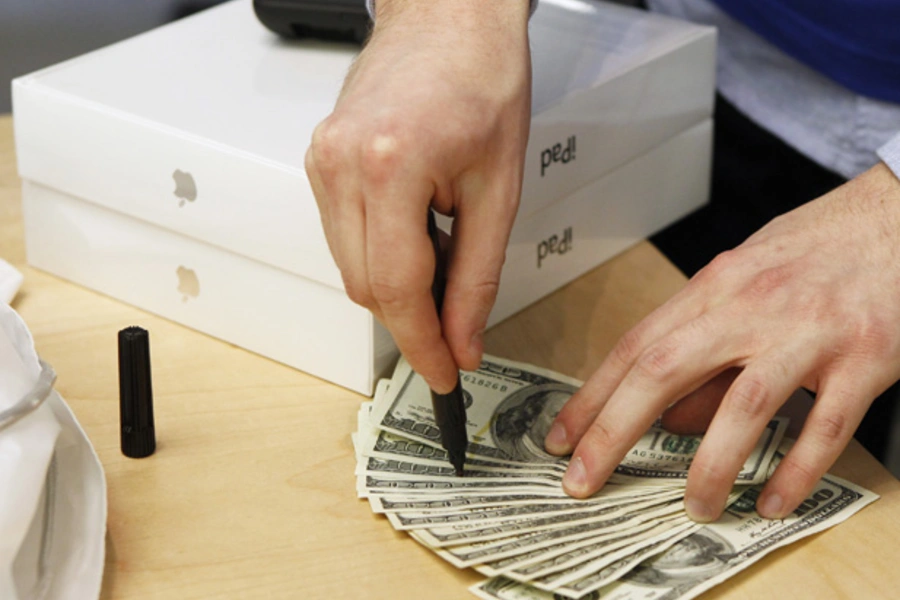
x,y
484,26
509,7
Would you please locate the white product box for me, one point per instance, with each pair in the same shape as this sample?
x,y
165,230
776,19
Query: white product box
x,y
167,171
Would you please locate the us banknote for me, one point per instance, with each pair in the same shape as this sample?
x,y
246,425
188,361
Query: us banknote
x,y
707,556
510,407
509,518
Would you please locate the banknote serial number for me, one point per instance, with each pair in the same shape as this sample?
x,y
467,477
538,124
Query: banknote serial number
x,y
485,383
661,456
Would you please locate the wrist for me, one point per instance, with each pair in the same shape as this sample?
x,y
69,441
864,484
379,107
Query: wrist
x,y
873,200
886,189
475,33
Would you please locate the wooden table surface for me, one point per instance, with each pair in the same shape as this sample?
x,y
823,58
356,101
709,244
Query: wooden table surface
x,y
251,491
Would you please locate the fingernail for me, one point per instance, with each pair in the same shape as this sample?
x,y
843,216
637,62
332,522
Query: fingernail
x,y
440,389
575,479
771,507
557,441
698,510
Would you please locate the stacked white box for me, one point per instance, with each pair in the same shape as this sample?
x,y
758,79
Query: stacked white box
x,y
220,104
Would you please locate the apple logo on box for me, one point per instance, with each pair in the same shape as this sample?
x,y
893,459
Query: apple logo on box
x,y
188,284
185,188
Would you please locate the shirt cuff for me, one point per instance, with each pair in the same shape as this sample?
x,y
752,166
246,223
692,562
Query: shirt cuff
x,y
370,6
890,154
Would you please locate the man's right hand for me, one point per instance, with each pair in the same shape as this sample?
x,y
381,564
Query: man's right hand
x,y
435,112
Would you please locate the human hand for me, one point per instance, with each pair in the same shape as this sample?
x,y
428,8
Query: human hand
x,y
810,301
435,111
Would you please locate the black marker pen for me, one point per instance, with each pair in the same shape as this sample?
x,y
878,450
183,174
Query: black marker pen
x,y
449,409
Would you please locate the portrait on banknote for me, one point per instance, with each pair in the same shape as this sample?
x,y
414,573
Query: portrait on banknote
x,y
522,420
696,558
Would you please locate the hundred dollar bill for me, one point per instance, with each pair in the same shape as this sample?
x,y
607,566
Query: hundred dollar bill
x,y
615,570
587,565
516,512
712,554
400,469
387,503
460,486
558,557
510,407
386,445
437,537
545,575
477,553
493,516
525,544
586,560
500,566
377,443
431,475
660,455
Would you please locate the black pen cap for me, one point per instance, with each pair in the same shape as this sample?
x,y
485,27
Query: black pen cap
x,y
135,393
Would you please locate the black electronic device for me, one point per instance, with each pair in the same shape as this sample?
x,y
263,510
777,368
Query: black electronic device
x,y
334,20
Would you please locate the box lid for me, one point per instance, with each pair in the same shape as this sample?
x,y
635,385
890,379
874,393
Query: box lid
x,y
201,126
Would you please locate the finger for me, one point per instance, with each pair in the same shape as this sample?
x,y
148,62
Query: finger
x,y
400,263
579,412
318,189
692,414
670,368
748,406
320,193
839,409
480,236
342,214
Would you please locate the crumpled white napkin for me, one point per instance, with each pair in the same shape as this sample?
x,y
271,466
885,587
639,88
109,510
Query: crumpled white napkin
x,y
10,281
52,488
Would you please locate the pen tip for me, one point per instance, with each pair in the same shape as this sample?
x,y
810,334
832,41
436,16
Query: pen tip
x,y
458,460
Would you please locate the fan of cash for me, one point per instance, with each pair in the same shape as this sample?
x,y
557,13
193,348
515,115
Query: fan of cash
x,y
510,520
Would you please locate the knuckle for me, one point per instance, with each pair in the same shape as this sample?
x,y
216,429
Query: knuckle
x,y
700,329
328,142
382,155
749,397
658,363
482,294
601,437
798,474
722,263
628,348
388,293
769,280
710,473
830,427
872,335
358,292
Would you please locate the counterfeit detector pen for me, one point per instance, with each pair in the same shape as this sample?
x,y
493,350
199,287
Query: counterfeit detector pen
x,y
449,409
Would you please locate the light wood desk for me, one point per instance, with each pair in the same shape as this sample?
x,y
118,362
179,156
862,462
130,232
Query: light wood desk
x,y
251,491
